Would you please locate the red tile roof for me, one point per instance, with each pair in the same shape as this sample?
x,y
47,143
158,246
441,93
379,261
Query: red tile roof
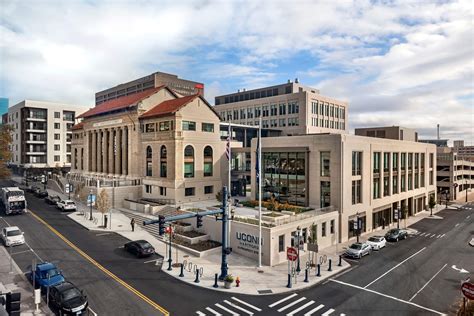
x,y
120,103
78,126
168,107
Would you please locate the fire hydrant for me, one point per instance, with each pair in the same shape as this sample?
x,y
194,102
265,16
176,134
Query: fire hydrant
x,y
237,282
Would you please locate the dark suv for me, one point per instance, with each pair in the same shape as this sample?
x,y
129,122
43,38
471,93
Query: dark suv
x,y
67,299
396,234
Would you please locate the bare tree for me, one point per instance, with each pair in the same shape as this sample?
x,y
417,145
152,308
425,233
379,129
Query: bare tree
x,y
103,203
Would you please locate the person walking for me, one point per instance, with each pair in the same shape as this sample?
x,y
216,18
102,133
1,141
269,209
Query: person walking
x,y
132,223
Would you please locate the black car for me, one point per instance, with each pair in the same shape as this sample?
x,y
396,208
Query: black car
x,y
66,299
396,234
52,199
41,193
140,248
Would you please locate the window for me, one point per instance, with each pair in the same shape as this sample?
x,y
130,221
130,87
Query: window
x,y
325,163
57,114
323,230
149,128
162,191
386,162
403,161
402,183
57,125
149,161
163,162
57,136
395,162
282,108
265,110
356,192
431,161
395,185
208,163
325,190
189,126
356,163
189,192
148,188
165,126
208,189
431,177
376,188
189,162
208,127
376,162
282,122
293,107
410,161
57,147
57,158
410,182
332,227
273,110
281,243
386,188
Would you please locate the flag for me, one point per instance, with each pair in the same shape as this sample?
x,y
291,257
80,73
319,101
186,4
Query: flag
x,y
227,148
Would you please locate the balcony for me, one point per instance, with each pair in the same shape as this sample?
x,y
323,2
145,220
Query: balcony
x,y
36,153
36,118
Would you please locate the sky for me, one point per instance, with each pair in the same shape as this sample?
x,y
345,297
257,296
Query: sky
x,y
405,63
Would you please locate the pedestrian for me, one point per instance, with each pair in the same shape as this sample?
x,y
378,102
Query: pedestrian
x,y
383,222
132,223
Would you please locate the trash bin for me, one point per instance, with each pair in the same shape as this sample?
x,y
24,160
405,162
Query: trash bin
x,y
105,221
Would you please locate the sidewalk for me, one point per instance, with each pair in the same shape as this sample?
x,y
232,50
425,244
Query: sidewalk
x,y
12,279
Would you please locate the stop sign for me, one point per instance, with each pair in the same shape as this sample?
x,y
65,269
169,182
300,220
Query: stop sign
x,y
467,289
291,253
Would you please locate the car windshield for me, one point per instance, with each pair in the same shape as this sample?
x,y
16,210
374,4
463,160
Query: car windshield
x,y
52,273
16,232
356,246
145,245
392,231
70,203
70,294
17,205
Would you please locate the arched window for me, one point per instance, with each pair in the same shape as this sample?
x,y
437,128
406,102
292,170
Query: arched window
x,y
189,162
149,163
163,161
75,158
208,161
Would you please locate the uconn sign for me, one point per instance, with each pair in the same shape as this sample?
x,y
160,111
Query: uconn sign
x,y
248,242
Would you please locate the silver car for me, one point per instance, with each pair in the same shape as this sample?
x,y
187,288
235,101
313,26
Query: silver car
x,y
358,250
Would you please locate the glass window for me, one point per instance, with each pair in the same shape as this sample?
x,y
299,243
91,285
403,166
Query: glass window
x,y
403,161
376,188
149,161
395,185
208,162
165,126
189,126
376,162
402,183
325,163
189,192
208,127
323,229
57,114
57,136
57,125
325,189
148,188
356,163
208,189
163,162
189,162
395,162
356,192
386,162
386,188
163,191
149,128
281,243
332,226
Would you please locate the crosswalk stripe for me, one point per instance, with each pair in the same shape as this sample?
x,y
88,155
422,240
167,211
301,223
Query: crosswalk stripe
x,y
329,312
300,308
200,313
438,236
422,234
433,235
282,300
314,310
213,311
226,309
442,235
291,304
238,307
247,304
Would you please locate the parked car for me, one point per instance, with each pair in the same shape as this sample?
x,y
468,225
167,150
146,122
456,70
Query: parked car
x,y
377,242
396,234
140,248
46,274
12,236
52,199
41,193
358,250
32,188
67,299
66,205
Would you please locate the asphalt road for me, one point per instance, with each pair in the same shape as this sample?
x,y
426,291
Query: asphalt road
x,y
412,277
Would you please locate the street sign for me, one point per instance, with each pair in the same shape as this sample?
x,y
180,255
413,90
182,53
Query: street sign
x,y
355,225
301,244
66,188
291,254
455,185
168,230
467,289
395,214
91,199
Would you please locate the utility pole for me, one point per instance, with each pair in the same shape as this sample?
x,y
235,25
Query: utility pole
x,y
224,268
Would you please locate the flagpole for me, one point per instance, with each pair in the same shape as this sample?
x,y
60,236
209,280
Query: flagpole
x,y
229,192
260,193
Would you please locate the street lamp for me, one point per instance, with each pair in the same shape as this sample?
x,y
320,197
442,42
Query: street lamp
x,y
298,230
357,226
398,217
90,201
446,196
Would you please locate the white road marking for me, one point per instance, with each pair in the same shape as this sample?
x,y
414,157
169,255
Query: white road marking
x,y
19,252
238,307
300,308
226,309
37,256
291,304
200,313
388,296
103,234
468,216
91,311
151,261
394,267
438,236
422,234
433,235
329,312
456,225
314,310
282,300
213,311
427,283
247,304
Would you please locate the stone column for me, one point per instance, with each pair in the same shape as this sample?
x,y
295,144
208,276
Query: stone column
x,y
99,151
124,151
111,158
117,150
104,151
93,146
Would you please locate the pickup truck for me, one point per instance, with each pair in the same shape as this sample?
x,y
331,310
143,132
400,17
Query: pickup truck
x,y
46,274
66,205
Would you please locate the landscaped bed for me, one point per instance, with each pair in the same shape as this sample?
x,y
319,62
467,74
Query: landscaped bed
x,y
200,246
191,234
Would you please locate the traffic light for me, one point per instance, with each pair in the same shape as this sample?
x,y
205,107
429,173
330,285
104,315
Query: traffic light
x,y
198,221
161,225
13,304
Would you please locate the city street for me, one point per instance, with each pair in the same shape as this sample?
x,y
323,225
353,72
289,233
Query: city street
x,y
417,276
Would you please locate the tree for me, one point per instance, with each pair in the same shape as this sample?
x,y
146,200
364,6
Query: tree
x,y
103,203
5,152
219,196
432,203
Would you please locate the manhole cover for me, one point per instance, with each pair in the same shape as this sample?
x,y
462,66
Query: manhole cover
x,y
264,291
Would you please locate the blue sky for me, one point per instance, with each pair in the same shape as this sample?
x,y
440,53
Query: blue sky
x,y
407,63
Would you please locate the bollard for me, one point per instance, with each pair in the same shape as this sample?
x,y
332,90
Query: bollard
x,y
306,275
197,276
215,281
182,271
289,281
319,270
330,268
340,261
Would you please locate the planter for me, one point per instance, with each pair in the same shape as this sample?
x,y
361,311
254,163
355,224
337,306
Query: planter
x,y
227,285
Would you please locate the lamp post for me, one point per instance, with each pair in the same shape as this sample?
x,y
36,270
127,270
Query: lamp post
x,y
90,203
446,196
467,188
358,226
398,217
298,268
